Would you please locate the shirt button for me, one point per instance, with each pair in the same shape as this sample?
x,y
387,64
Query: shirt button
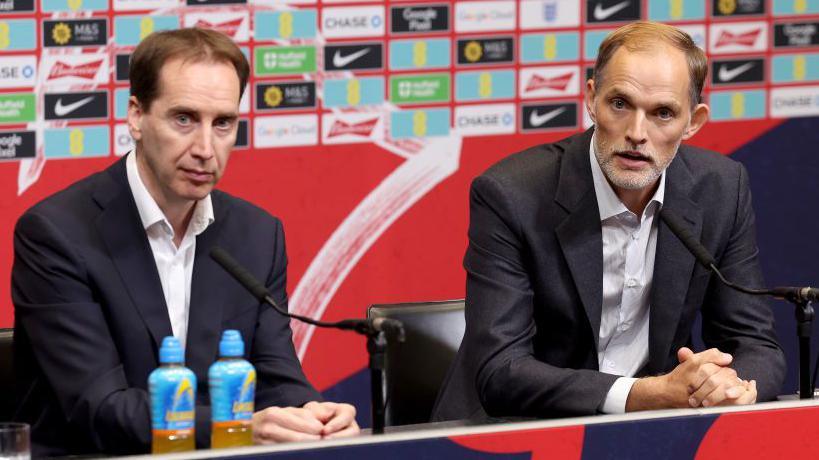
x,y
631,282
610,364
634,236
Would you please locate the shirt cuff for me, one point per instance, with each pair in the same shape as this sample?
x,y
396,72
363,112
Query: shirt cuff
x,y
615,402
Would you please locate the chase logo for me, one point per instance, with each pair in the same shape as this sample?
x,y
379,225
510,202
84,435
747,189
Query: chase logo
x,y
550,47
282,96
356,56
407,124
86,105
722,8
485,16
484,120
540,117
794,7
16,145
546,14
676,10
795,101
737,105
353,92
797,34
419,19
53,6
737,71
18,71
130,30
287,25
18,34
484,85
75,32
123,66
601,11
486,50
792,68
85,142
16,6
343,22
284,60
419,54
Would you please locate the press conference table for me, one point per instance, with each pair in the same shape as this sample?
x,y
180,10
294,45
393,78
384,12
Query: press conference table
x,y
787,429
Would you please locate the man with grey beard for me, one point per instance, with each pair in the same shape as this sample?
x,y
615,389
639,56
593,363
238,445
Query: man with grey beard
x,y
579,300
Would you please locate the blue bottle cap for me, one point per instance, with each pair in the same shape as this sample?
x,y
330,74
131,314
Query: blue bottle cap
x,y
231,345
171,351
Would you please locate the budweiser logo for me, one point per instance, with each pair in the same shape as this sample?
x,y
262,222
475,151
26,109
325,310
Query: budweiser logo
x,y
228,28
559,83
87,70
364,128
744,39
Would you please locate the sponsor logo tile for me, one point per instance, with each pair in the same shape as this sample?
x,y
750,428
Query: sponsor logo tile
x,y
547,14
792,68
737,105
18,34
547,116
284,60
16,6
122,66
354,56
676,10
75,32
737,71
285,131
407,124
549,47
485,119
17,108
738,37
18,71
485,16
53,6
75,69
484,85
353,92
235,25
552,81
130,30
77,142
419,54
349,22
422,88
729,8
796,34
491,50
17,145
795,101
419,18
294,24
606,11
86,105
282,96
795,7
352,128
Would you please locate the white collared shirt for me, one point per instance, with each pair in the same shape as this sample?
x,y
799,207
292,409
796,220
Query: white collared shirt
x,y
175,265
629,247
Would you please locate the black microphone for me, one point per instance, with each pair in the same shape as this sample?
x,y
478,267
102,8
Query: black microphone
x,y
680,229
368,326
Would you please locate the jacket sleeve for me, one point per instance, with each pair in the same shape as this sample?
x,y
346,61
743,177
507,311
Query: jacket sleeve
x,y
281,381
56,305
500,325
738,323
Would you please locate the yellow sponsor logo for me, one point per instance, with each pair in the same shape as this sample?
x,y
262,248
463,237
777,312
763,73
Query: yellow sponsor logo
x,y
485,85
676,8
273,96
74,5
146,26
799,67
76,142
61,33
5,35
799,6
285,25
419,123
178,416
550,46
737,105
473,51
419,54
727,6
353,92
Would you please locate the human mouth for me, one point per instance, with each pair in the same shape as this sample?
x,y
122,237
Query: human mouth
x,y
198,175
631,159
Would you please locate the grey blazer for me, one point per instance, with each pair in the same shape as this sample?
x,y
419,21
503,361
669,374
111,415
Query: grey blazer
x,y
535,280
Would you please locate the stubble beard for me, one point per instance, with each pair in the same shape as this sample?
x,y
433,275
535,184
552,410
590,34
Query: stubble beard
x,y
629,180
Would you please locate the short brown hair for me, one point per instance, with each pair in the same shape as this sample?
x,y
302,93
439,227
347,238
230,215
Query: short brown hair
x,y
644,36
192,44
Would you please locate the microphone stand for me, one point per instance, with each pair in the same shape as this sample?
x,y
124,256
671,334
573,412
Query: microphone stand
x,y
380,332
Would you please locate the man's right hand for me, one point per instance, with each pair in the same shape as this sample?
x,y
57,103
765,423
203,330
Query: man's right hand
x,y
285,424
676,388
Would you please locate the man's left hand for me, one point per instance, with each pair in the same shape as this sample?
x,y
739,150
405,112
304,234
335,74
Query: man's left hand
x,y
338,418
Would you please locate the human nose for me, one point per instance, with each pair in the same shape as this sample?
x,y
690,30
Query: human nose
x,y
203,143
636,129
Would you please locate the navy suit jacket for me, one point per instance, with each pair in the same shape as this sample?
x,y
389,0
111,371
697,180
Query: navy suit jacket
x,y
90,315
535,284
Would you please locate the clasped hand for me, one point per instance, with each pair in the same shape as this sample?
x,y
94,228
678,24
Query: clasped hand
x,y
313,421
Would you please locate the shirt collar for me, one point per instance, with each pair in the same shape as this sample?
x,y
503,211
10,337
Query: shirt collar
x,y
149,212
608,202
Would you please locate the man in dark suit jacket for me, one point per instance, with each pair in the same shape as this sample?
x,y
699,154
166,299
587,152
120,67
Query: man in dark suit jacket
x,y
568,301
93,279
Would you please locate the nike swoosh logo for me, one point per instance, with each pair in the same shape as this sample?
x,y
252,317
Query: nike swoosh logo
x,y
341,61
601,13
62,110
727,75
536,119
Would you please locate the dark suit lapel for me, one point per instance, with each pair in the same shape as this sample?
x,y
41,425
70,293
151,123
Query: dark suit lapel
x,y
121,230
580,233
673,266
207,298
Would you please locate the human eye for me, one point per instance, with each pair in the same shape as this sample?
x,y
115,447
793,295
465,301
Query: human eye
x,y
224,123
183,119
664,113
618,103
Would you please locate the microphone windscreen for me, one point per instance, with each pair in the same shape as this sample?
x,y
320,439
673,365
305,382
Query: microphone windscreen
x,y
241,275
680,229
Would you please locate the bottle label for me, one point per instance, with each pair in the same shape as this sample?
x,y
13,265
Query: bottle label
x,y
232,392
172,403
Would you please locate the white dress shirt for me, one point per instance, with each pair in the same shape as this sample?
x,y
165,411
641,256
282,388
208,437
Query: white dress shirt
x,y
629,247
174,264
